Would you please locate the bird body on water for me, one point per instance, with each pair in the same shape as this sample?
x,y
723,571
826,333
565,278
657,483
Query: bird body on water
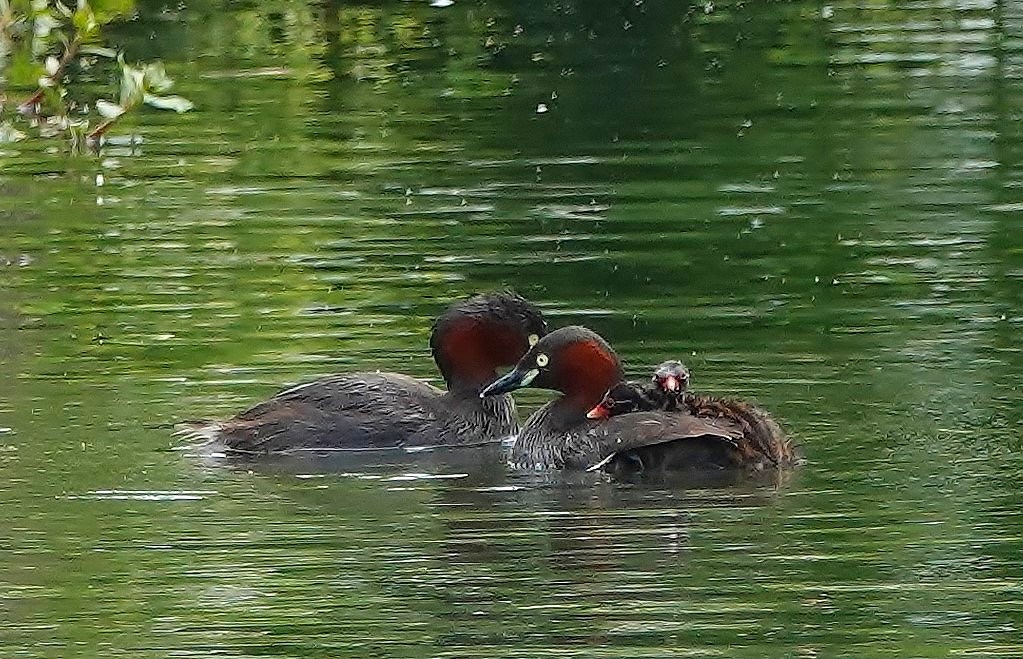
x,y
371,410
582,366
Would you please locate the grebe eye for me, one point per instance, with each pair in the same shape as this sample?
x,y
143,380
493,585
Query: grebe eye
x,y
533,339
542,360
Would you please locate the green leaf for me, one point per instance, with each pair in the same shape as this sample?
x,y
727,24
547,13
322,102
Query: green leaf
x,y
99,50
133,81
85,21
176,103
24,70
63,9
109,110
8,133
109,10
157,79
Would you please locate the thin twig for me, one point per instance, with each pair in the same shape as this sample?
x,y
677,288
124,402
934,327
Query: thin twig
x,y
29,106
98,131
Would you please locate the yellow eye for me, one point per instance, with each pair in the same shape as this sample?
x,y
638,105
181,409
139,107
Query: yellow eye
x,y
533,338
542,360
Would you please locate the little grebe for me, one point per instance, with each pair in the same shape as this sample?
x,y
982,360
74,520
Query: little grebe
x,y
583,367
469,342
664,391
762,441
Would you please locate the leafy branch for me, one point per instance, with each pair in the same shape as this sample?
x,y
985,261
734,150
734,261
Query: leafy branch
x,y
139,84
39,43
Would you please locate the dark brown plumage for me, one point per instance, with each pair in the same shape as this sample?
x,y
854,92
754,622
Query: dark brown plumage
x,y
762,442
583,367
663,391
469,342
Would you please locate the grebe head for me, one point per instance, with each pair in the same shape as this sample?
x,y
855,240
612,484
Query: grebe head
x,y
573,360
671,377
476,336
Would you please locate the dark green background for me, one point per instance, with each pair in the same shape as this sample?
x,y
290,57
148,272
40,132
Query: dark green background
x,y
816,205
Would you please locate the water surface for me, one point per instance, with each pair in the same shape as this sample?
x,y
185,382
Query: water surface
x,y
815,206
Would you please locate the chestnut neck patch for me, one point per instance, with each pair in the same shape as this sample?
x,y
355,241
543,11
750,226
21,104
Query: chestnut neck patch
x,y
585,371
469,350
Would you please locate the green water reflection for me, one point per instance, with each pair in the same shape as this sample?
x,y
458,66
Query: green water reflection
x,y
817,206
